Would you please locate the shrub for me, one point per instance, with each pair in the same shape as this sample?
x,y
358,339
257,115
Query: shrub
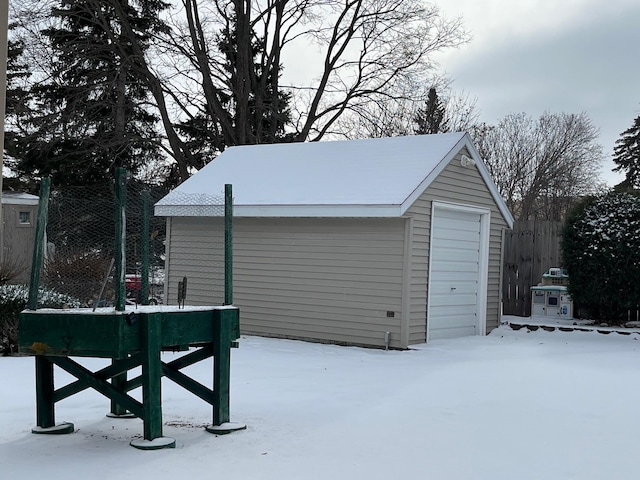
x,y
601,252
13,299
77,274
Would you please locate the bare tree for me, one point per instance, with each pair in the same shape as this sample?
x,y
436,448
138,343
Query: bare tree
x,y
389,117
365,55
218,74
541,166
461,111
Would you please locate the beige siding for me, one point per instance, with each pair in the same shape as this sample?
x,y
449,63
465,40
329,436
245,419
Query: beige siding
x,y
195,250
18,240
463,186
323,279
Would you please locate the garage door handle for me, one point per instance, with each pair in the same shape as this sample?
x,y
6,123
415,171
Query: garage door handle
x,y
453,288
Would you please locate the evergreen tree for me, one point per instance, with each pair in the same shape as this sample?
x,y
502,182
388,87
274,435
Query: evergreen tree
x,y
90,115
16,108
431,118
16,72
626,155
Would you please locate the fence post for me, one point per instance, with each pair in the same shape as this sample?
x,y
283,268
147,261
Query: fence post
x,y
228,245
120,241
144,247
39,246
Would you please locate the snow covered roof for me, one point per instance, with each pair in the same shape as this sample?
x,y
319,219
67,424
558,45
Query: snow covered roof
x,y
378,177
19,198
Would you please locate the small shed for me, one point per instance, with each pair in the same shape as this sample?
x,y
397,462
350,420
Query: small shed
x,y
386,241
19,212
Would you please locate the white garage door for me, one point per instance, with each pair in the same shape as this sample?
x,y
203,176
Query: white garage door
x,y
454,283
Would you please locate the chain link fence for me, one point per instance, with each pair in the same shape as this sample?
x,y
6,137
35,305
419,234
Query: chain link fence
x,y
80,243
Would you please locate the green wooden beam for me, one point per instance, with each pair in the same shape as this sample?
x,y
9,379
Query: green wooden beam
x,y
120,240
151,326
45,406
115,368
144,244
228,244
99,385
189,384
39,246
221,369
182,362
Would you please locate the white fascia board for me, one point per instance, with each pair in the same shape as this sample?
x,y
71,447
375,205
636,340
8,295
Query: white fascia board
x,y
307,211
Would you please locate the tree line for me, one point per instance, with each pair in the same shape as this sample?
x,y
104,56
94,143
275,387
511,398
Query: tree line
x,y
162,89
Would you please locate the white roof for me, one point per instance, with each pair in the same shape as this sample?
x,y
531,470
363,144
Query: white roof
x,y
378,177
19,198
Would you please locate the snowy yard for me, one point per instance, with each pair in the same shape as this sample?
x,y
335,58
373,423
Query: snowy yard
x,y
512,405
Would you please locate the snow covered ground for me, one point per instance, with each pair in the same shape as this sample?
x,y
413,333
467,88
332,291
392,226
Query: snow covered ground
x,y
513,405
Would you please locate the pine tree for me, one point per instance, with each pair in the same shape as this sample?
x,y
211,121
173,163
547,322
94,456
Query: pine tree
x,y
90,115
431,118
626,154
17,108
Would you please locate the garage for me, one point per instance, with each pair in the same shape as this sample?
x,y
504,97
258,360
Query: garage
x,y
381,242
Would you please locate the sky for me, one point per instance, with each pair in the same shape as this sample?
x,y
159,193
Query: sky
x,y
513,405
534,56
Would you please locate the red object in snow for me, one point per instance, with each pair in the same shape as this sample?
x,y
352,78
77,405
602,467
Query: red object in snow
x,y
133,282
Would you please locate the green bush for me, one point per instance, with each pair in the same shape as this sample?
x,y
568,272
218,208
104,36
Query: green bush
x,y
601,252
13,299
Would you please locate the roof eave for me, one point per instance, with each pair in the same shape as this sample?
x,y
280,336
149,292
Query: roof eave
x,y
311,211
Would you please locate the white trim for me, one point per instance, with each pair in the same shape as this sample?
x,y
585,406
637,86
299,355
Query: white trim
x,y
167,263
312,211
483,260
406,282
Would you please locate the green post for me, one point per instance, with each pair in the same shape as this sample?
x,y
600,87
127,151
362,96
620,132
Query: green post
x,y
221,369
45,410
119,280
39,246
120,243
144,240
228,245
225,332
151,343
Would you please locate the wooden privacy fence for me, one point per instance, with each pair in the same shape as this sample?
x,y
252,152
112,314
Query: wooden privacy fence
x,y
530,249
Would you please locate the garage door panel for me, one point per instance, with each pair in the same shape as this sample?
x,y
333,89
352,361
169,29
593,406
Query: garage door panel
x,y
454,274
453,313
453,332
447,260
456,243
461,302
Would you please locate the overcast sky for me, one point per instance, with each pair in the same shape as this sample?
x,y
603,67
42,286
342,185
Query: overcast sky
x,y
551,55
